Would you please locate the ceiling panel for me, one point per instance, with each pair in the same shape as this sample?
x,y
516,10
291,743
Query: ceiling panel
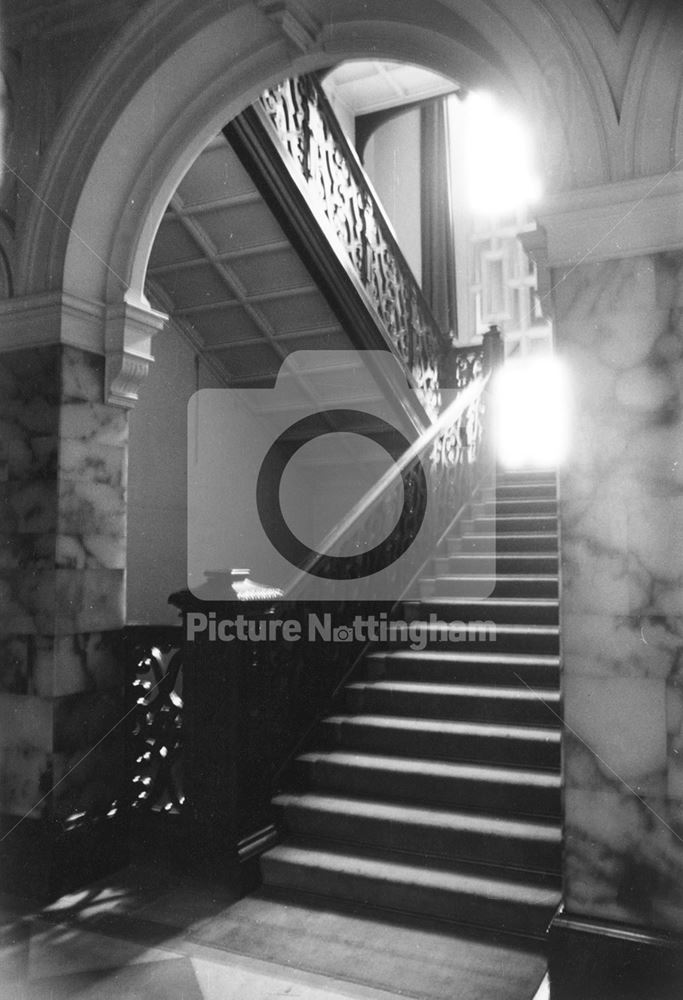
x,y
194,286
216,174
240,226
271,272
330,340
255,359
296,313
222,326
172,244
364,86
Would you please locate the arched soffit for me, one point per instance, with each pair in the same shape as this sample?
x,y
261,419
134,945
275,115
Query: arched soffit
x,y
655,117
176,73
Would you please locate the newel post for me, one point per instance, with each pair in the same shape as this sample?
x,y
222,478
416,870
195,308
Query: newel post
x,y
494,351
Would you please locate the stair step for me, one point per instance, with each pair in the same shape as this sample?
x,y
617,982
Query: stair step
x,y
501,610
470,785
514,523
441,891
514,542
435,738
484,635
508,585
466,668
461,702
519,491
528,507
426,830
500,562
525,476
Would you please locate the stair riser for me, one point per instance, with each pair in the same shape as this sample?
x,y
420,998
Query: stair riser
x,y
525,476
500,562
507,524
503,543
500,587
530,711
505,491
495,642
464,845
487,610
433,902
512,508
446,746
541,676
468,793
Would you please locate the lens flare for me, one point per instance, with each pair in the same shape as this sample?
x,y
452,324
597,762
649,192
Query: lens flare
x,y
531,407
500,175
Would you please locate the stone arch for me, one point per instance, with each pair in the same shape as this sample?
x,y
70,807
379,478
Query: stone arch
x,y
175,75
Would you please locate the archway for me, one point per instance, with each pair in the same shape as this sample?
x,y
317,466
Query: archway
x,y
150,106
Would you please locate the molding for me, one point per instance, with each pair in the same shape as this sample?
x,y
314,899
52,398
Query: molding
x,y
597,959
256,843
619,932
302,30
51,318
624,219
535,245
122,333
128,333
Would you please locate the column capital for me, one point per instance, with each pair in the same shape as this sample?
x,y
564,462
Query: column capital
x,y
623,219
121,331
128,332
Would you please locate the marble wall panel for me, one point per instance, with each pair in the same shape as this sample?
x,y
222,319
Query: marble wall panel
x,y
25,781
619,328
52,666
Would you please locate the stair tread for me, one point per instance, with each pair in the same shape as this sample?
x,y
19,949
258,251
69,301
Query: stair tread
x,y
377,865
464,690
503,554
431,655
532,536
502,774
540,831
503,577
526,554
508,602
513,517
504,628
490,729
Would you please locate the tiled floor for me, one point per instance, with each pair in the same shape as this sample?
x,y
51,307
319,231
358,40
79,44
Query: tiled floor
x,y
130,939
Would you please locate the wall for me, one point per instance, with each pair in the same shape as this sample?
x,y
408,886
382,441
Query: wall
x,y
620,329
157,480
392,162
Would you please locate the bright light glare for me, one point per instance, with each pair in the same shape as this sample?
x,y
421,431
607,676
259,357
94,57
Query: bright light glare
x,y
500,174
532,413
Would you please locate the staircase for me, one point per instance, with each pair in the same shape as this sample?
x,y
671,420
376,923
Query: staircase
x,y
435,790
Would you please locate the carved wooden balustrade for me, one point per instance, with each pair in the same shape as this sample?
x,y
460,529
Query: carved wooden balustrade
x,y
295,150
154,717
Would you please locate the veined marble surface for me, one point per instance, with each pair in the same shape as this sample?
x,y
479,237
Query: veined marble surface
x,y
63,534
51,666
63,469
619,325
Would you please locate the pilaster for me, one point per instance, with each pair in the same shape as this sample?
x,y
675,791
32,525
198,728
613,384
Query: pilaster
x,y
63,446
615,259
